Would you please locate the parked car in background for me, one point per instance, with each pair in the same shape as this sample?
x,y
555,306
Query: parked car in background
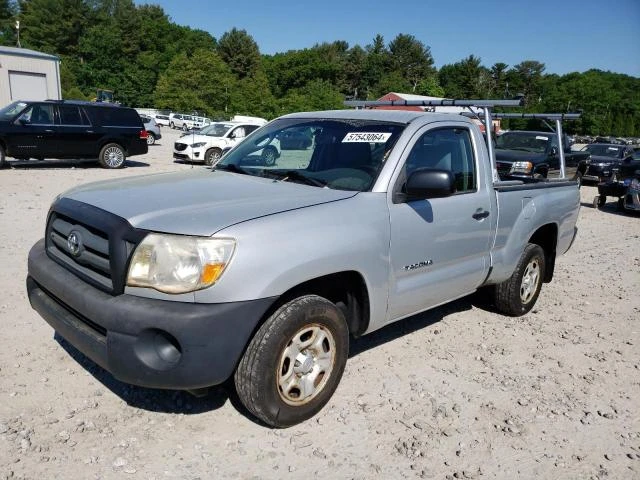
x,y
299,138
162,120
605,157
525,154
187,122
152,128
208,144
71,129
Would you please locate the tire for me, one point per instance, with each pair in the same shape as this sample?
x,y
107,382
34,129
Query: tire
x,y
112,155
517,295
212,155
184,127
269,156
3,158
294,362
578,179
172,125
151,138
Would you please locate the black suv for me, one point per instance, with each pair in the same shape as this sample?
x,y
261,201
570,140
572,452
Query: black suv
x,y
71,129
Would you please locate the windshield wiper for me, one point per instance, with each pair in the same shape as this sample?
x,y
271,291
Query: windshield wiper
x,y
295,175
231,168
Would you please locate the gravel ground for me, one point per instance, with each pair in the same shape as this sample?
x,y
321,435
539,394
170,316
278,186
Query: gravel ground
x,y
459,392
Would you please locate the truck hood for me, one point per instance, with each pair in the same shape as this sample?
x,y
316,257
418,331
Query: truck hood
x,y
518,156
199,203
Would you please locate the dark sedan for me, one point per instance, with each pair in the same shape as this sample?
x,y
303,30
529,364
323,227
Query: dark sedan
x,y
604,158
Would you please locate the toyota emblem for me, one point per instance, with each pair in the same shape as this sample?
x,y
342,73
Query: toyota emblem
x,y
74,243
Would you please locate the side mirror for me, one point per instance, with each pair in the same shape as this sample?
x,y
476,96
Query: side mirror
x,y
430,183
23,121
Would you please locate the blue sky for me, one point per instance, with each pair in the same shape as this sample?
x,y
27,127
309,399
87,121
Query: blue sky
x,y
565,35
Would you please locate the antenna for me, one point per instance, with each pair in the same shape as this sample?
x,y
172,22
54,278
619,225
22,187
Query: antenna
x,y
18,33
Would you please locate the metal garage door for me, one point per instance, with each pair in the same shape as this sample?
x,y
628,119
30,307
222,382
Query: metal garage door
x,y
28,86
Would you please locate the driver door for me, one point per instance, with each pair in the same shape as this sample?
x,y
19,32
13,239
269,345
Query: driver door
x,y
35,132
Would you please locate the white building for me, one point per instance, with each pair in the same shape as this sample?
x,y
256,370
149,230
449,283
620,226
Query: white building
x,y
28,75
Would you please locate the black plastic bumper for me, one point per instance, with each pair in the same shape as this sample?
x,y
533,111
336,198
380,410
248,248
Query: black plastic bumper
x,y
146,342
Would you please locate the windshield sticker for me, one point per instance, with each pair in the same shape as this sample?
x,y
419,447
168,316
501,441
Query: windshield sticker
x,y
539,137
366,137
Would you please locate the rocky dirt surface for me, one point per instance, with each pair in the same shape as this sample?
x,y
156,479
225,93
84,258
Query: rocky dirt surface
x,y
457,393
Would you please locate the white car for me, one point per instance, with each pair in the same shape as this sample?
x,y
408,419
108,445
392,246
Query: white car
x,y
208,144
162,119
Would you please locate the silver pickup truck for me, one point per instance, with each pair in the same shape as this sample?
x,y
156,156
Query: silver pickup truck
x,y
184,280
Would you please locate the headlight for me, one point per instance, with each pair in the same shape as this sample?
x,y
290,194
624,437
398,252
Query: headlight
x,y
198,145
179,264
521,167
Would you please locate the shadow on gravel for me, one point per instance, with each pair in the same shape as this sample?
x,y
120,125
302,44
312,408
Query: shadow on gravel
x,y
176,401
155,400
83,164
611,208
414,323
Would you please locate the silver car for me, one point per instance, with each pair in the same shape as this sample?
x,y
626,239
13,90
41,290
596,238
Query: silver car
x,y
152,128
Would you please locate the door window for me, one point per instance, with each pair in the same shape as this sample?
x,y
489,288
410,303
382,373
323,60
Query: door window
x,y
71,115
39,114
445,149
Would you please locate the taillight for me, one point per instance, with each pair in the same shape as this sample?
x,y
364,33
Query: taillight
x,y
143,134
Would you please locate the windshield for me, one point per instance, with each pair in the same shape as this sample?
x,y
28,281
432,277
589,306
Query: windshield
x,y
527,142
11,110
334,153
604,151
216,129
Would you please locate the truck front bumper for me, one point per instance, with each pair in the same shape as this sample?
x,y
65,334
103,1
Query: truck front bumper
x,y
147,342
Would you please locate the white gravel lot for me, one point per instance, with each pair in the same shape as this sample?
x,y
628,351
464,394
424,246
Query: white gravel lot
x,y
458,392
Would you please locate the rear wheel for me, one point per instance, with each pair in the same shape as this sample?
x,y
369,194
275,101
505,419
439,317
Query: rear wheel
x,y
112,155
294,362
517,295
3,158
151,138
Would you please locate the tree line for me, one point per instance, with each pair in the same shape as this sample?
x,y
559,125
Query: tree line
x,y
149,61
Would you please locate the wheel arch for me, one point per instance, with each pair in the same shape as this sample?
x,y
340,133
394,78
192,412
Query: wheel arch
x,y
547,238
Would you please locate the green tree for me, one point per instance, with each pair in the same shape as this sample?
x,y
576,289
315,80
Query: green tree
x,y
52,26
8,11
186,87
240,51
411,58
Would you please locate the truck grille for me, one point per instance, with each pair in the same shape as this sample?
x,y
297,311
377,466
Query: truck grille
x,y
91,243
180,146
80,248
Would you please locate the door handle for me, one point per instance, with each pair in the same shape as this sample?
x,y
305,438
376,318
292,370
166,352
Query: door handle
x,y
480,214
48,131
89,131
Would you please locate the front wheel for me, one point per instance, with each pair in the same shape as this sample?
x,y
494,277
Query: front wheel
x,y
172,125
294,363
269,156
112,155
517,295
184,127
212,156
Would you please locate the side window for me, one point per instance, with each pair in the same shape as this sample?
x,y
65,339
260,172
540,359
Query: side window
x,y
237,133
250,128
71,115
445,149
39,114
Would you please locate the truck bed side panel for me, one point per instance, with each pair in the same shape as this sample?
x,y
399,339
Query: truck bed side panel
x,y
522,211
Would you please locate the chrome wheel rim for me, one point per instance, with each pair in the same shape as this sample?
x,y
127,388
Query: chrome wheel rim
x,y
306,364
269,157
113,156
150,139
212,157
530,281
